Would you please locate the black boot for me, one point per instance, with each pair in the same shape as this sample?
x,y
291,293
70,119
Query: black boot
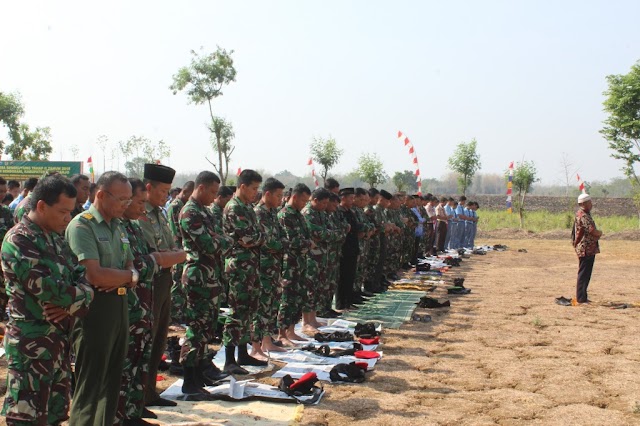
x,y
209,373
191,384
245,359
230,364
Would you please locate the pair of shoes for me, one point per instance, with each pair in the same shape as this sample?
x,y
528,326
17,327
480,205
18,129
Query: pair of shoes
x,y
563,301
458,290
429,303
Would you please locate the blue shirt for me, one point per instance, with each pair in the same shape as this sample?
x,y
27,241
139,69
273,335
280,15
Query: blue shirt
x,y
15,202
421,220
459,210
86,205
448,210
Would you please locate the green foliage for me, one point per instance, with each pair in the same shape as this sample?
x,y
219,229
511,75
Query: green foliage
x,y
370,170
221,136
142,150
203,81
466,162
205,77
405,181
326,153
525,175
30,145
11,111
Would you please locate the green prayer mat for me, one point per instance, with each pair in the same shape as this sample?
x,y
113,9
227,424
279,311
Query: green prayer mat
x,y
392,308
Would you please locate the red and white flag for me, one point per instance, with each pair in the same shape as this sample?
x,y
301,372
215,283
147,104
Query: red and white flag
x,y
313,172
414,159
581,184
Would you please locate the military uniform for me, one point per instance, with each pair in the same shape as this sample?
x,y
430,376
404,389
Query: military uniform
x,y
334,251
348,259
140,299
363,248
39,268
294,266
271,252
23,208
204,244
216,213
242,265
100,340
316,282
155,227
6,223
178,297
373,253
381,260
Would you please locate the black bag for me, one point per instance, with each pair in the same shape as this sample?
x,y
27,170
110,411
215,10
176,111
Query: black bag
x,y
351,373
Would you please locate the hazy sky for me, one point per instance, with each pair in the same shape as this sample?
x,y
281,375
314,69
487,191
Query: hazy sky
x,y
526,80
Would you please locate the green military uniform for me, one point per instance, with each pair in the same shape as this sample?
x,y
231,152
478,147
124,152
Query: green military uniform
x,y
39,268
408,234
363,248
6,223
373,252
242,265
178,296
216,213
100,339
333,257
22,208
158,235
294,266
316,283
204,244
136,367
265,320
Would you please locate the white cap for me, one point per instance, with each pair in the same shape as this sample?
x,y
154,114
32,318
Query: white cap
x,y
583,198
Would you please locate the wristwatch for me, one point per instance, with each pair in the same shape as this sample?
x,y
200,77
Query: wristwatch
x,y
135,276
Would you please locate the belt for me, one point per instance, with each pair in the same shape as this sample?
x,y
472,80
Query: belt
x,y
165,271
122,291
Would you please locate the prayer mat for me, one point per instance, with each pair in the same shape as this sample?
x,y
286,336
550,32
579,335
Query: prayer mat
x,y
392,308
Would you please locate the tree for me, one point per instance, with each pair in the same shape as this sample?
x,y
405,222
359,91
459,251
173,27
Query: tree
x,y
221,137
74,152
405,181
103,144
524,175
26,144
466,162
326,153
142,150
370,170
30,145
203,81
622,126
11,111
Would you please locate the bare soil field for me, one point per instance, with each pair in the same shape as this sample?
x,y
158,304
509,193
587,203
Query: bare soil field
x,y
603,206
506,354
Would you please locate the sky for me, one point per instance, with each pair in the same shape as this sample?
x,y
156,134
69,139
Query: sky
x,y
523,78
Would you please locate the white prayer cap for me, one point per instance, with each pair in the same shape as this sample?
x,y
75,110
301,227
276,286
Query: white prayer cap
x,y
583,198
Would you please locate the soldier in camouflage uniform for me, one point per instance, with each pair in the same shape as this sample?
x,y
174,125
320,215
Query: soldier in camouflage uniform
x,y
225,193
178,297
265,319
322,236
350,249
334,251
294,263
364,244
242,265
205,244
6,223
46,289
82,184
408,240
370,283
136,366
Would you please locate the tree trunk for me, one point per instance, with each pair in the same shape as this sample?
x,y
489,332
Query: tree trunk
x,y
223,179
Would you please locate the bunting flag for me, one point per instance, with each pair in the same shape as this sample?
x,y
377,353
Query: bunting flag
x,y
90,164
510,188
414,159
313,172
239,171
581,186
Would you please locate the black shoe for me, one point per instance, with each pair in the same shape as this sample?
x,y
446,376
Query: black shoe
x,y
209,373
192,384
429,303
235,369
366,293
161,402
329,314
245,359
148,414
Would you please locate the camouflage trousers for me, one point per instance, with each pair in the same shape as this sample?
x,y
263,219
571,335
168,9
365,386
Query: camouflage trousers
x,y
393,254
316,284
333,271
200,314
265,320
136,366
38,374
371,262
363,261
178,295
293,294
244,282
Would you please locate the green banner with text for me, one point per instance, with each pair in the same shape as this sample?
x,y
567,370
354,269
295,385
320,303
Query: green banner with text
x,y
22,170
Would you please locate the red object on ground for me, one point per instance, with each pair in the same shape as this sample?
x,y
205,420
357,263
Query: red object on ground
x,y
367,354
159,378
374,341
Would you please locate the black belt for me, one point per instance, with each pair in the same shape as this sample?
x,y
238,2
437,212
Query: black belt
x,y
165,271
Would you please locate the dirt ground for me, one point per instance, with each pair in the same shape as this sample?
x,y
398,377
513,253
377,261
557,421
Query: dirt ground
x,y
507,354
